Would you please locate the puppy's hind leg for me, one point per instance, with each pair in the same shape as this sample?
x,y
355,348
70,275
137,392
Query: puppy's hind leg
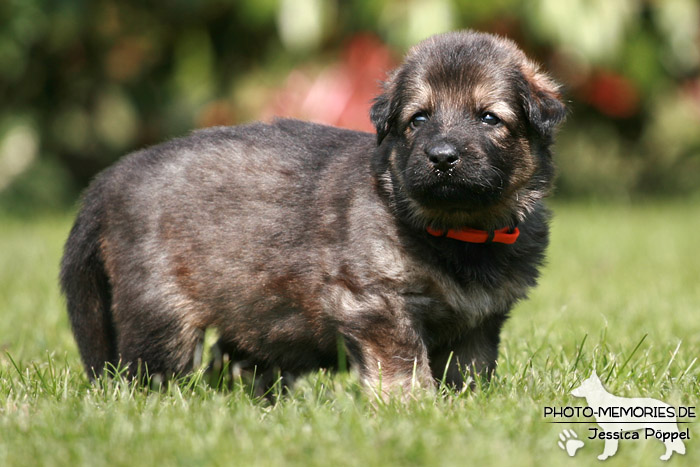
x,y
157,345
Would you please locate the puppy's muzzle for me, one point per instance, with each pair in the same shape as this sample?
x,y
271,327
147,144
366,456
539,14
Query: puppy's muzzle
x,y
444,156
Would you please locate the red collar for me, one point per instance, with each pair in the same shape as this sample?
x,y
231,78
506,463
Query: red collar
x,y
505,235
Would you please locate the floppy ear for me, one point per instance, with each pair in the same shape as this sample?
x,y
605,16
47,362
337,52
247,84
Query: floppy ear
x,y
542,100
379,114
384,109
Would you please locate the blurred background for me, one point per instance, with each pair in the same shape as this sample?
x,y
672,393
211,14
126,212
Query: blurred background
x,y
82,82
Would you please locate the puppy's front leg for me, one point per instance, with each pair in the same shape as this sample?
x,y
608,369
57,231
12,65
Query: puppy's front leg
x,y
389,354
473,353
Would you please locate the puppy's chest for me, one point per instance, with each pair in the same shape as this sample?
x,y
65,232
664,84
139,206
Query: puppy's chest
x,y
438,299
433,296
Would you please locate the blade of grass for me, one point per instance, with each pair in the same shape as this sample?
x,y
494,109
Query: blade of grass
x,y
639,344
578,353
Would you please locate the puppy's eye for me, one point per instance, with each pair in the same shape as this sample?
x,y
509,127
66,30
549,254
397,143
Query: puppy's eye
x,y
490,119
418,119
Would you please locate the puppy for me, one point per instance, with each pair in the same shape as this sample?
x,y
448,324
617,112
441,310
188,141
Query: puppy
x,y
406,249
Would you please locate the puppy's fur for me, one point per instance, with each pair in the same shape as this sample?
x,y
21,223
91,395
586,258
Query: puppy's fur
x,y
291,237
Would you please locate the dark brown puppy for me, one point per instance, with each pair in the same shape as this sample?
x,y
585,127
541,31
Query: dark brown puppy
x,y
291,237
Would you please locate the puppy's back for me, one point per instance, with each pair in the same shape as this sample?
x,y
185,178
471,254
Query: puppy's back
x,y
157,231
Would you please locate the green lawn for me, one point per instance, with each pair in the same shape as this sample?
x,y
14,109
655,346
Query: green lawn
x,y
621,293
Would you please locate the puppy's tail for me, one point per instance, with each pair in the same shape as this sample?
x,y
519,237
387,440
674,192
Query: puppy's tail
x,y
86,286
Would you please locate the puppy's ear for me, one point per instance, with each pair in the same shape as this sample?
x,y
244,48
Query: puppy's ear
x,y
542,100
379,115
383,111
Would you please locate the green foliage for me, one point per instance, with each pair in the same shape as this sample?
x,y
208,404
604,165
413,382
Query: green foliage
x,y
619,295
84,82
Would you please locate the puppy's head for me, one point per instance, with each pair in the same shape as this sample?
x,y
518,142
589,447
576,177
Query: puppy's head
x,y
464,128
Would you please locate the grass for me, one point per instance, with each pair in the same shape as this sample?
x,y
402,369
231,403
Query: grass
x,y
620,294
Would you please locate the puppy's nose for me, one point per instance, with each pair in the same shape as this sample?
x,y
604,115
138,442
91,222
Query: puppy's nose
x,y
443,155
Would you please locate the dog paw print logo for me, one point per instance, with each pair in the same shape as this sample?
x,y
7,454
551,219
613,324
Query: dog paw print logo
x,y
569,442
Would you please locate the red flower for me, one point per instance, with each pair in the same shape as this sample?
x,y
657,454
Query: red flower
x,y
342,93
612,94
